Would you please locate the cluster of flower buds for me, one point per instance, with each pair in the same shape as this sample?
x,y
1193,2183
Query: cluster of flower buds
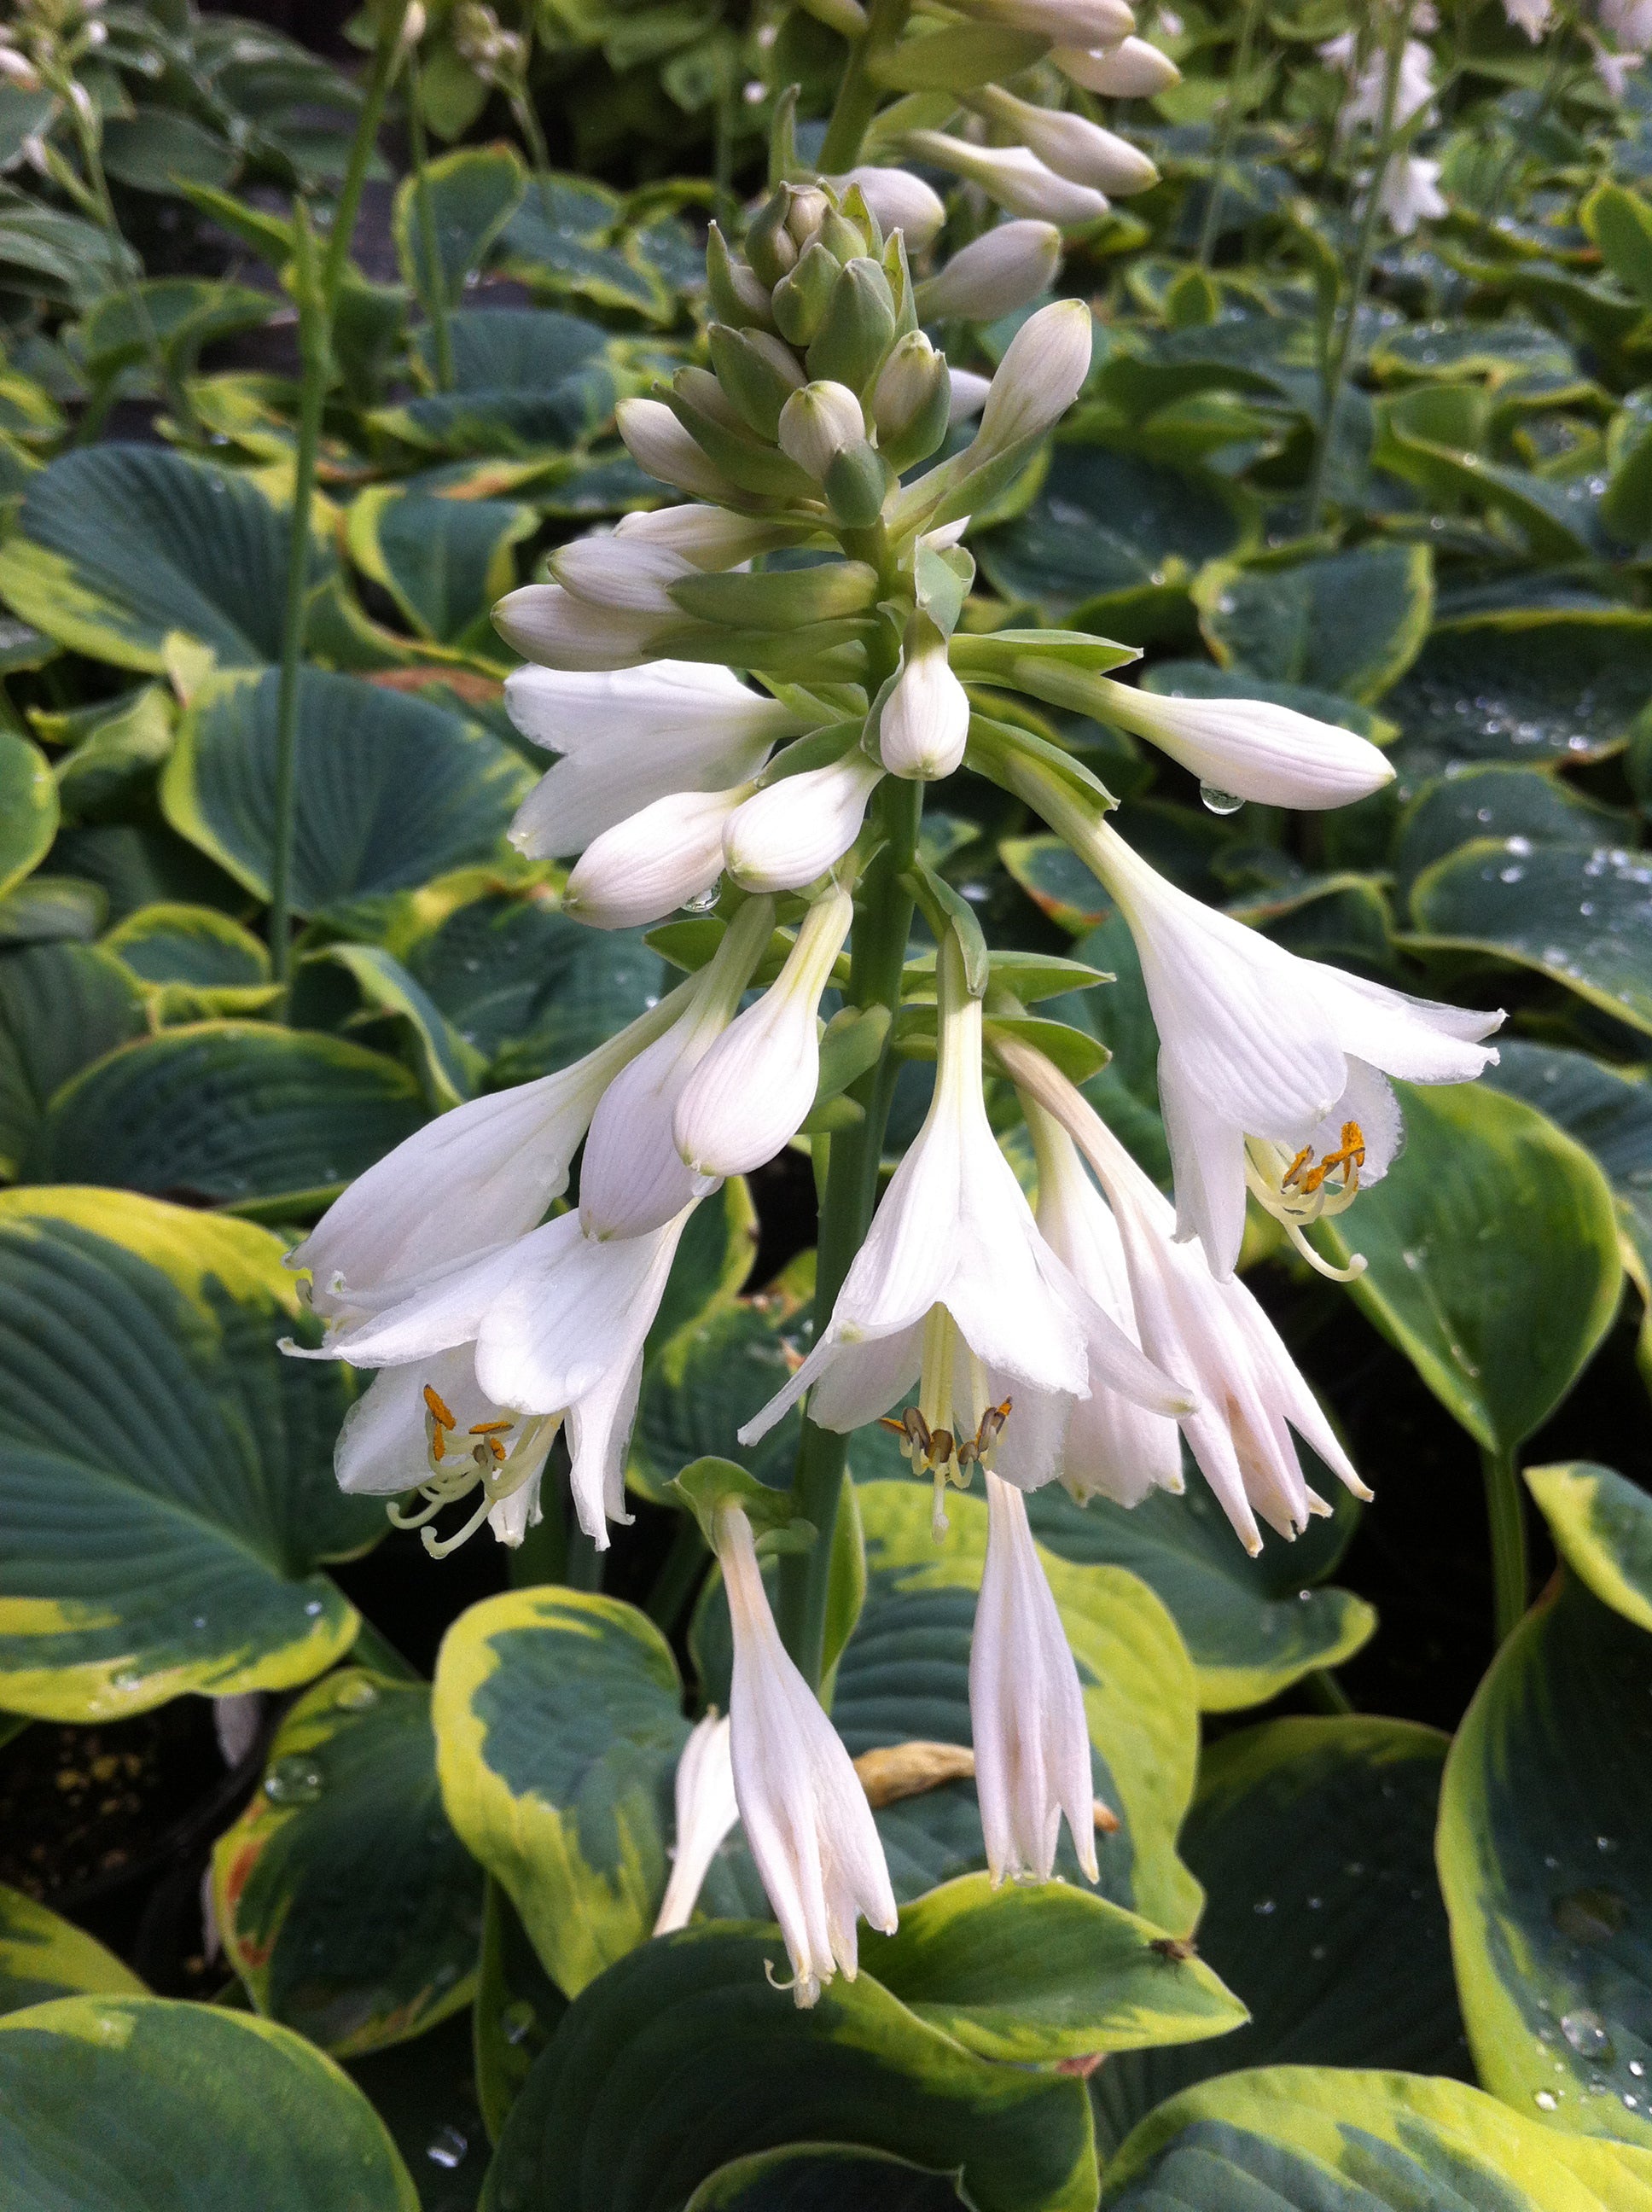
x,y
743,742
46,41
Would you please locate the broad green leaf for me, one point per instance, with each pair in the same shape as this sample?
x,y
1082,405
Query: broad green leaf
x,y
443,561
1540,686
450,1066
166,1474
156,150
1609,1111
239,1114
517,2008
392,790
184,313
1503,351
347,1906
1602,1525
472,194
1042,1971
118,745
1502,803
1056,881
124,551
1546,1859
1492,1259
133,2104
57,256
1319,2139
1621,223
683,2057
52,909
526,380
713,1258
1314,1841
61,1005
190,962
425,2093
44,1956
813,2177
28,809
1582,917
1350,621
559,1721
1252,1626
563,242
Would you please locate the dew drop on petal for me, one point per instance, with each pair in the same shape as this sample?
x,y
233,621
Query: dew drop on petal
x,y
1218,800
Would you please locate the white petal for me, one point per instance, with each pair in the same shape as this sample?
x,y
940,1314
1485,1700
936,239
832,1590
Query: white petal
x,y
606,571
1016,178
1130,70
1207,1153
1251,748
579,1314
1416,1039
706,1810
793,831
654,861
857,1383
899,200
1002,270
545,622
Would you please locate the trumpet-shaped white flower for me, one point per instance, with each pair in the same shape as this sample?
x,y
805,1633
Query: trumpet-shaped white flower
x,y
557,1321
1268,1063
706,1810
654,861
749,1094
925,724
899,200
630,737
1026,1708
1212,1336
953,1253
552,625
1251,748
633,1178
1130,70
1114,1448
1041,374
807,1822
1012,175
1414,91
998,272
466,1183
1411,193
1071,145
663,449
795,828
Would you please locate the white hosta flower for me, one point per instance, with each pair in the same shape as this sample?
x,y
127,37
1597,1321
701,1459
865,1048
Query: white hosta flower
x,y
1212,1336
654,861
1026,1708
1531,16
1629,22
749,1094
706,1810
1414,91
663,449
557,1321
807,1822
1041,374
708,537
1251,748
1411,193
969,395
925,724
899,200
1016,178
624,574
954,1284
1071,145
633,1179
818,423
795,827
1114,1448
1130,70
1077,22
998,272
552,625
472,1179
630,737
1268,1063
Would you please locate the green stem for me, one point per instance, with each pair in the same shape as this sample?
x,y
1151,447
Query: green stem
x,y
1364,252
349,202
1505,1509
1325,1693
679,1570
1548,93
441,339
91,153
882,918
1231,110
857,95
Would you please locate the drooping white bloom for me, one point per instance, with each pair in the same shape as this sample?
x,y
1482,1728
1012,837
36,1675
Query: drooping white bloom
x,y
1071,145
654,861
1268,1063
925,724
807,1822
995,274
709,537
953,1272
1077,22
1130,70
1114,1448
550,624
794,829
1012,175
633,1178
1413,89
1411,193
1026,1708
748,1096
1251,748
468,1181
706,1810
818,423
899,200
1212,1336
558,1320
663,449
630,737
1041,374
1531,16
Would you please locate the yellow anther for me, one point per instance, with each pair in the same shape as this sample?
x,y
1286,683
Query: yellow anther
x,y
438,1444
491,1428
438,1410
1295,1167
495,1447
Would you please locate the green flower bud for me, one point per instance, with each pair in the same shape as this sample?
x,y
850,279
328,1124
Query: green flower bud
x,y
700,405
800,300
781,598
858,329
769,246
856,482
756,373
808,209
843,238
738,297
911,401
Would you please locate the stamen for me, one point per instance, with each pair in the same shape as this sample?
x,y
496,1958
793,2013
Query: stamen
x,y
1295,1167
439,1547
489,1428
1354,1268
438,1410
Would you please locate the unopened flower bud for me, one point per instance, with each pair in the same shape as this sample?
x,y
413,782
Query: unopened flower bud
x,y
925,724
911,405
18,70
659,445
800,300
1071,145
858,328
899,201
1016,178
1072,23
810,207
1041,374
758,378
819,423
1130,70
995,274
769,246
738,296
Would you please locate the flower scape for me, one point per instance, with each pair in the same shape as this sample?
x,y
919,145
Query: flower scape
x,y
1021,713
